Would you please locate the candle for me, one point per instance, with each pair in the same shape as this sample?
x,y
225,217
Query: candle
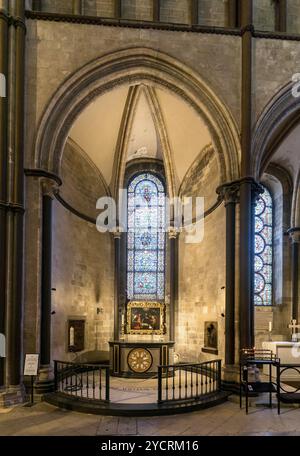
x,y
72,337
122,319
270,326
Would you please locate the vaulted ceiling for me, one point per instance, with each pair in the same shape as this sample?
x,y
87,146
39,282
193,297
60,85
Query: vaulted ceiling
x,y
140,121
288,153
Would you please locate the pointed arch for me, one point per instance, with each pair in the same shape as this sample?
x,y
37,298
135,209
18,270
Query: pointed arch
x,y
127,122
277,120
134,66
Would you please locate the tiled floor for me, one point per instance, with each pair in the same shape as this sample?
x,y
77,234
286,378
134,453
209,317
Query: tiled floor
x,y
225,419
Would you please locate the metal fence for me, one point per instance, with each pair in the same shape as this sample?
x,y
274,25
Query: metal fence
x,y
185,382
87,381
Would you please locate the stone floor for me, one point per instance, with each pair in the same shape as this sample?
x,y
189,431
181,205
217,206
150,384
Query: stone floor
x,y
225,419
142,391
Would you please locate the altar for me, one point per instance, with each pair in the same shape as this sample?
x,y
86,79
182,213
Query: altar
x,y
288,353
139,359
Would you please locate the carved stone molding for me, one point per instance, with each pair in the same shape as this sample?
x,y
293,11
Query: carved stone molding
x,y
117,233
229,192
174,232
146,66
49,187
276,121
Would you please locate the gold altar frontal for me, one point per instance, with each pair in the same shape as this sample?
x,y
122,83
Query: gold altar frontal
x,y
139,359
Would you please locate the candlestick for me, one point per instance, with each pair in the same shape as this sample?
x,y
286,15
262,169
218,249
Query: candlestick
x,y
72,336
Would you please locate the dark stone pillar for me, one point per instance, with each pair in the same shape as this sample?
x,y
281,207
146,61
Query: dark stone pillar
x,y
118,9
117,240
173,245
229,192
281,16
194,12
45,382
77,7
46,283
37,5
246,309
156,10
3,176
15,197
249,190
295,269
232,14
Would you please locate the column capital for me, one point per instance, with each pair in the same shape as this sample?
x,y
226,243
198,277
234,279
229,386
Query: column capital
x,y
117,232
294,234
173,232
49,187
229,193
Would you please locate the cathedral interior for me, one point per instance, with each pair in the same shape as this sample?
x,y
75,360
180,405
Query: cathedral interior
x,y
111,113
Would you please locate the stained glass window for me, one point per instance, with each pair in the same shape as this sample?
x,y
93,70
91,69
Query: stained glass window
x,y
263,250
146,238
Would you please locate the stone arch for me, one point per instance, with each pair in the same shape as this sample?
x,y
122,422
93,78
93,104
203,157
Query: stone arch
x,y
278,118
134,66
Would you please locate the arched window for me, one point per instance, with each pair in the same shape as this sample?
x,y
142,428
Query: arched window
x,y
146,238
263,250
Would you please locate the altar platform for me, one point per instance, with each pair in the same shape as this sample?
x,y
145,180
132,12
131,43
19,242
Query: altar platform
x,y
288,352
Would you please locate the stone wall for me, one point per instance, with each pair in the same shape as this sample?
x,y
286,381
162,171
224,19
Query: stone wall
x,y
57,6
176,11
102,8
293,16
203,177
56,50
82,182
201,293
83,263
264,14
134,9
212,12
83,277
270,75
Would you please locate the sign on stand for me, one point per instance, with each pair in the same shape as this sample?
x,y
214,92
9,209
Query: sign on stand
x,y
31,370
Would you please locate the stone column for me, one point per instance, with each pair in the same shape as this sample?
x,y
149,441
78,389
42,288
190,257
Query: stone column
x,y
246,311
173,234
77,7
295,269
36,5
45,380
118,9
14,203
117,241
3,168
194,12
229,192
232,14
249,190
281,16
156,10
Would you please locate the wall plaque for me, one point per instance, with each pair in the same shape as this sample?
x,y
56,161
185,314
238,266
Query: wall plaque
x,y
210,337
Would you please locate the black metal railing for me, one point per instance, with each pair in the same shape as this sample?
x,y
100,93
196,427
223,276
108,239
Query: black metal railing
x,y
288,390
184,382
86,381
